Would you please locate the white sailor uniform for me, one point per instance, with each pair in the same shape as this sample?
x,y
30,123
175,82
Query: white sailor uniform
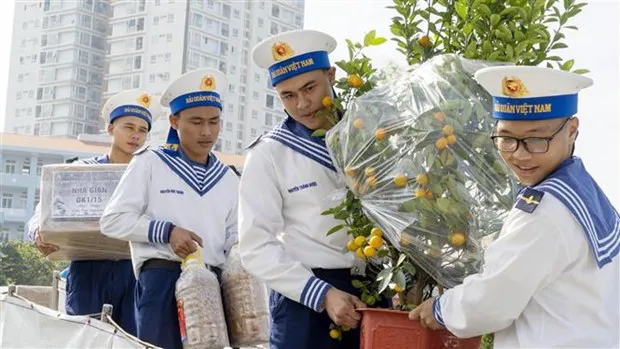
x,y
93,283
551,280
163,188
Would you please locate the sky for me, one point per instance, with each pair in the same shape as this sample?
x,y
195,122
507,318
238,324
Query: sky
x,y
595,47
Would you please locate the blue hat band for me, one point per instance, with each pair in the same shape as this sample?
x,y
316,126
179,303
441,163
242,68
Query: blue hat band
x,y
131,110
536,108
298,65
196,99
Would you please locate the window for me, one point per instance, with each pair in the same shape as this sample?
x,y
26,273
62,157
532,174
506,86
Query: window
x,y
137,62
269,101
261,22
240,134
226,11
255,95
275,11
274,28
229,126
268,119
254,114
228,145
9,166
37,196
231,88
235,32
39,162
236,13
256,77
139,43
225,29
252,132
7,200
230,107
153,59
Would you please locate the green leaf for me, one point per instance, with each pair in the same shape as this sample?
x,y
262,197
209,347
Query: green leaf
x,y
573,27
461,9
357,284
319,133
558,45
378,41
400,279
581,71
510,53
335,229
554,58
468,29
409,268
568,65
368,39
495,18
401,259
484,10
383,285
385,273
341,215
383,253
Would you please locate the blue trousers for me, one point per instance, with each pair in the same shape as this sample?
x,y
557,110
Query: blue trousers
x,y
157,315
293,325
91,284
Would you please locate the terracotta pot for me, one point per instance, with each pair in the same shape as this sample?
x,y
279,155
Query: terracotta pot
x,y
390,329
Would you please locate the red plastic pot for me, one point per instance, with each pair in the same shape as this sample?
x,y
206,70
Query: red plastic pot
x,y
392,329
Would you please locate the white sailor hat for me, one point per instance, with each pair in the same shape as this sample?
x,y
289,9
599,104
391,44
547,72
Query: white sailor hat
x,y
292,53
131,103
532,93
198,88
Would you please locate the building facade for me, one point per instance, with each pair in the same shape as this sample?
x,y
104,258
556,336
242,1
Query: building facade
x,y
57,67
148,44
22,159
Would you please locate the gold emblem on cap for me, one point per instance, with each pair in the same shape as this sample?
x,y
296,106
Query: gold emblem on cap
x,y
208,83
144,100
514,87
281,51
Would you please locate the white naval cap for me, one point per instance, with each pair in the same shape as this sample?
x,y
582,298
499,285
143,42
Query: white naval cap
x,y
532,93
292,53
198,88
131,103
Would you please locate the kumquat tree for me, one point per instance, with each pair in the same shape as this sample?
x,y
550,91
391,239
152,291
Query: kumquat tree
x,y
426,189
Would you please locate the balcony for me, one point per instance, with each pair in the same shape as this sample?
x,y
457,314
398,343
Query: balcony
x,y
19,180
18,215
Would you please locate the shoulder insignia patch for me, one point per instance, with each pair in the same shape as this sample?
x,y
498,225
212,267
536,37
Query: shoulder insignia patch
x,y
529,199
254,142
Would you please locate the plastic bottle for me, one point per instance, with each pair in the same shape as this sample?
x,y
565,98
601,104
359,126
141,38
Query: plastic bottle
x,y
199,304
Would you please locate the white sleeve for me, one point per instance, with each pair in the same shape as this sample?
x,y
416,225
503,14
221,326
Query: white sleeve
x,y
232,228
124,217
531,252
34,222
260,221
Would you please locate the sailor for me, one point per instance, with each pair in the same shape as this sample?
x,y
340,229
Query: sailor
x,y
173,200
93,283
286,178
551,279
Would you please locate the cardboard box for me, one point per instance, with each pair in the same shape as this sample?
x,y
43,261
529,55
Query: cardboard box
x,y
73,198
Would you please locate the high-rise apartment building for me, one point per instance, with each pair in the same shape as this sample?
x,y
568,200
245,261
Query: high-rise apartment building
x,y
57,67
151,42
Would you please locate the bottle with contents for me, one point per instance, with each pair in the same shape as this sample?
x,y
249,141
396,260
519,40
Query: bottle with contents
x,y
246,304
200,308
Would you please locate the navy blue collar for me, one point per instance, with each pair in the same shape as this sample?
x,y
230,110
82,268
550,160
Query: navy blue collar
x,y
299,138
572,185
200,177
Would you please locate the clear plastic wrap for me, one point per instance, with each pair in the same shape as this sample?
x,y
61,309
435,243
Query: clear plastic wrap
x,y
245,302
200,308
416,152
73,198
